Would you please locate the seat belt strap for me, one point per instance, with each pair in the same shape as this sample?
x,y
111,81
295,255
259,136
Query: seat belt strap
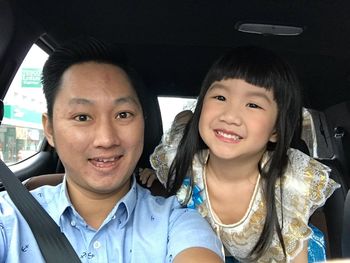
x,y
53,244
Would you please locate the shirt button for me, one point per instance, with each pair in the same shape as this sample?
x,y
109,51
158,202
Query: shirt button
x,y
73,223
97,244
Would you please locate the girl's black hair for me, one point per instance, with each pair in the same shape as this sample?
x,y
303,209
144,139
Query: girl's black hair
x,y
263,68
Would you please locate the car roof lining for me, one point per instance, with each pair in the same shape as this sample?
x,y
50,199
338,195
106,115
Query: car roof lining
x,y
183,39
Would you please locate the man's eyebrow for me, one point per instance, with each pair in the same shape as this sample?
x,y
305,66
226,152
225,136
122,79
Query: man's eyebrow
x,y
118,101
127,99
82,101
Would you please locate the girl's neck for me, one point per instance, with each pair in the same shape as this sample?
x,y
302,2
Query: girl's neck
x,y
230,187
233,171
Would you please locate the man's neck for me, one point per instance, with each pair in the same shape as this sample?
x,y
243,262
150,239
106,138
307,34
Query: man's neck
x,y
94,207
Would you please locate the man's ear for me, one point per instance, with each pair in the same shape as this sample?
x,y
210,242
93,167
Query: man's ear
x,y
273,137
48,129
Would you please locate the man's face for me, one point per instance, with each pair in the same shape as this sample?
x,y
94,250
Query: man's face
x,y
97,128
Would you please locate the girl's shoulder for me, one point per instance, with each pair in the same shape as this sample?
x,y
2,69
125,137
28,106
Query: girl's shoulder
x,y
306,184
193,194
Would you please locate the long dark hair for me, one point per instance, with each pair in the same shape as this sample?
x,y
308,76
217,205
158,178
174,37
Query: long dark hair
x,y
263,68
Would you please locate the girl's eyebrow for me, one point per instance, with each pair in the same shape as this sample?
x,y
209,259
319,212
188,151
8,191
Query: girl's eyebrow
x,y
216,85
255,93
258,94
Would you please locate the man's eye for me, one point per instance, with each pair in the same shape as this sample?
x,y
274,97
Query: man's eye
x,y
219,97
82,118
124,115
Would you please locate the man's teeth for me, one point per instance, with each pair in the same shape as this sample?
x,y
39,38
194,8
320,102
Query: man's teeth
x,y
229,136
105,160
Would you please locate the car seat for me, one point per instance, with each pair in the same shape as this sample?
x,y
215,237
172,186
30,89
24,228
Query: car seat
x,y
346,228
329,217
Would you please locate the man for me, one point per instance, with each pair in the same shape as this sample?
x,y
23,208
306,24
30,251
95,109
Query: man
x,y
95,122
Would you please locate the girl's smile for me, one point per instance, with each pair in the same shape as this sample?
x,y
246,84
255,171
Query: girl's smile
x,y
227,136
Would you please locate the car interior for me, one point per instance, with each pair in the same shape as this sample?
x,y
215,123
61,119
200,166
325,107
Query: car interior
x,y
173,44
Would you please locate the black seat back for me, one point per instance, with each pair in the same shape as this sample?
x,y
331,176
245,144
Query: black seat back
x,y
329,217
333,210
346,228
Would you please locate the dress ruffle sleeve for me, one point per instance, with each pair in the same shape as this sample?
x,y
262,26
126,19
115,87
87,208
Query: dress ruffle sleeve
x,y
164,154
306,187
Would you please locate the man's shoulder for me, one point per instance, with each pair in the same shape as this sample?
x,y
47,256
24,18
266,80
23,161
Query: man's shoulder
x,y
145,196
163,207
46,193
43,194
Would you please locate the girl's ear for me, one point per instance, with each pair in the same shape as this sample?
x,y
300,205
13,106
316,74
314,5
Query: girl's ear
x,y
48,130
273,137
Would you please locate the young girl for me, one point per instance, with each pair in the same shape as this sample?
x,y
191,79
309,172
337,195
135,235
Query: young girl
x,y
234,163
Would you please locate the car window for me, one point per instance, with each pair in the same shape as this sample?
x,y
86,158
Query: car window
x,y
170,106
21,131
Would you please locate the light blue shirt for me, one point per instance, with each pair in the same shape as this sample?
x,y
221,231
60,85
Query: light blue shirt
x,y
140,228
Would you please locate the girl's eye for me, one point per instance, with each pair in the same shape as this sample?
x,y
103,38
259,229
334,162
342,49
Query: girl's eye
x,y
124,115
254,106
219,97
82,118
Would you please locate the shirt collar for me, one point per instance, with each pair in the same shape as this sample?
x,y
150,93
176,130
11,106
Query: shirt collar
x,y
63,201
126,204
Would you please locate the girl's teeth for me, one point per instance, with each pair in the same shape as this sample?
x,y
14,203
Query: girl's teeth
x,y
229,136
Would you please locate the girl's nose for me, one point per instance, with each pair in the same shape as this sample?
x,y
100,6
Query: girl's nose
x,y
232,114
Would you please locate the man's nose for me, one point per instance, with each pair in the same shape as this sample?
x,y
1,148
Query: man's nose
x,y
106,134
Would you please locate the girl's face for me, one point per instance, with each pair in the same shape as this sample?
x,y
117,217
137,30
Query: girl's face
x,y
238,120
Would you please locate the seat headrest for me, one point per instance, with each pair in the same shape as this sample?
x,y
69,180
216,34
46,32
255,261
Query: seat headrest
x,y
300,144
153,129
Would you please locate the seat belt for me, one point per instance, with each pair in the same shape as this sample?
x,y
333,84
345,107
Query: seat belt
x,y
53,244
346,228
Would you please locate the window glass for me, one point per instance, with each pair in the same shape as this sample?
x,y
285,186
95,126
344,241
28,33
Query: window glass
x,y
21,131
170,106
